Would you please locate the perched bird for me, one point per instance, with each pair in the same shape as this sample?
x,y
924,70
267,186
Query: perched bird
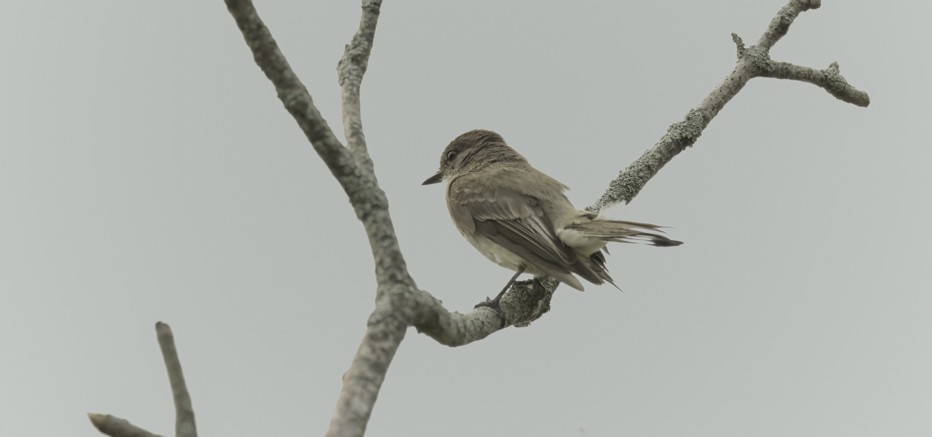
x,y
519,218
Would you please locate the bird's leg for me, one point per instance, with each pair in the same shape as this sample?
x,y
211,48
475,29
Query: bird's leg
x,y
494,303
508,285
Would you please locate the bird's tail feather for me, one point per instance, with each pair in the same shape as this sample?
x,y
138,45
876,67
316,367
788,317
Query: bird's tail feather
x,y
624,232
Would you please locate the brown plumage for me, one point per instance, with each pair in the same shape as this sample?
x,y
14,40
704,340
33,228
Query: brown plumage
x,y
519,218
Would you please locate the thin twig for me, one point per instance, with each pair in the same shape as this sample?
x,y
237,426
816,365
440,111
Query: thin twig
x,y
117,427
350,71
184,411
829,79
752,62
782,21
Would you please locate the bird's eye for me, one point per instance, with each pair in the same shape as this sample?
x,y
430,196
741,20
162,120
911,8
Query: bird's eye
x,y
450,155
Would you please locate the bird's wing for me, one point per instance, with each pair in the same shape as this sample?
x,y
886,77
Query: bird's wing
x,y
512,220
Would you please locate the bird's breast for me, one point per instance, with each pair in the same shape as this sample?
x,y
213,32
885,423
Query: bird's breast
x,y
491,250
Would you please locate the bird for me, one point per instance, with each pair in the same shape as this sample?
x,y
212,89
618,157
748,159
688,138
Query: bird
x,y
519,217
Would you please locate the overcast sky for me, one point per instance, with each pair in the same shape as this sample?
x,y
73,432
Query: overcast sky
x,y
148,172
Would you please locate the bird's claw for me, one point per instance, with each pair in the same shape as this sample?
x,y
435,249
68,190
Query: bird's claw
x,y
495,305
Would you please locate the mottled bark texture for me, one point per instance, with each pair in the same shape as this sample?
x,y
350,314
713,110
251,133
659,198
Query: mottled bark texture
x,y
399,303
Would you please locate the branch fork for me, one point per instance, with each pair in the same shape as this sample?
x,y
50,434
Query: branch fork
x,y
399,303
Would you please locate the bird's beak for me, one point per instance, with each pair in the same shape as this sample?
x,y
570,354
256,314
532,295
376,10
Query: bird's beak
x,y
434,179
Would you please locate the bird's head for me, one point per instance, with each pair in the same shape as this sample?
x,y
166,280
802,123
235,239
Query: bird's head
x,y
472,151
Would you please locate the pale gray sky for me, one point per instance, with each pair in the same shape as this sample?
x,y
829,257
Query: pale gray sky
x,y
147,172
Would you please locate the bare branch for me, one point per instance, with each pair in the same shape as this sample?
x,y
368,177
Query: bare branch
x,y
350,69
358,181
363,380
520,306
752,62
184,412
116,427
830,79
396,309
354,170
781,23
739,43
291,91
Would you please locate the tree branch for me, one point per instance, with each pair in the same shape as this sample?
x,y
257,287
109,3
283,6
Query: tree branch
x,y
354,170
830,79
362,382
184,413
522,305
116,427
781,23
399,303
350,71
752,62
292,92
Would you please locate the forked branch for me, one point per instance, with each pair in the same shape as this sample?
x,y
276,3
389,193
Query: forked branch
x,y
752,62
184,412
399,304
